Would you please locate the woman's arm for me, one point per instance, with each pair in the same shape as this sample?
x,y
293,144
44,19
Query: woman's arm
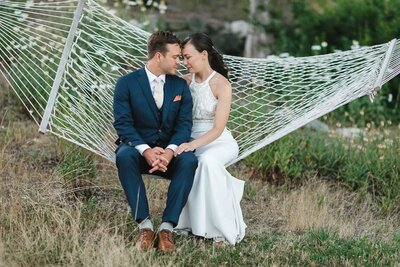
x,y
223,90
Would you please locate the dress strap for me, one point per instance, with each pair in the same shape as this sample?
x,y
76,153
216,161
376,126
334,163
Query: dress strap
x,y
210,77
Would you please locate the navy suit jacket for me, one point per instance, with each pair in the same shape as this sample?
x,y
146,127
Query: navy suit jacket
x,y
137,119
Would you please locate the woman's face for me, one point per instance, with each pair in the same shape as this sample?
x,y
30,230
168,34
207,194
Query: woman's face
x,y
193,59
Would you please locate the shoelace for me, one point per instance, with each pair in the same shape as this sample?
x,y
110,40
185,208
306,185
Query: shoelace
x,y
166,235
144,234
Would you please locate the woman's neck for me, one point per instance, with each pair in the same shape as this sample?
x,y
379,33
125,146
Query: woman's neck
x,y
202,75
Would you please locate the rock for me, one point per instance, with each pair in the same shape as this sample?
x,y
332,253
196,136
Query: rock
x,y
240,27
263,18
318,126
350,132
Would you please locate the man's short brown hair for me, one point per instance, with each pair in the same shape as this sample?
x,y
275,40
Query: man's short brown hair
x,y
158,42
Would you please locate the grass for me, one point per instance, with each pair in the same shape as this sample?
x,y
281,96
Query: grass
x,y
43,221
46,219
369,163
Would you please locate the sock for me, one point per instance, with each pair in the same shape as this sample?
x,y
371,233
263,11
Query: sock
x,y
146,223
166,226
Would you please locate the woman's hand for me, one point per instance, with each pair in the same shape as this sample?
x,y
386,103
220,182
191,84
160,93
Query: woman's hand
x,y
184,147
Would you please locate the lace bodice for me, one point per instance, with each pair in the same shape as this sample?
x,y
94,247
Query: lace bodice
x,y
204,102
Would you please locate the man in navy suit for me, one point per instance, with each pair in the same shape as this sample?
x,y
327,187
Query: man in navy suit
x,y
153,115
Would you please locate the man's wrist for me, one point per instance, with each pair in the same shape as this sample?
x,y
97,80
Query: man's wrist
x,y
142,148
170,150
172,147
169,153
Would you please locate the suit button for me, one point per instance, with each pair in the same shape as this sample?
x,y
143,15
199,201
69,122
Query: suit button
x,y
130,143
159,130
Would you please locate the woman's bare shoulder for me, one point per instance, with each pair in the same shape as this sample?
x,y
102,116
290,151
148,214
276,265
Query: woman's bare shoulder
x,y
220,82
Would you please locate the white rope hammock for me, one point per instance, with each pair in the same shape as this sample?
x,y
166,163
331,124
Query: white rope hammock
x,y
62,58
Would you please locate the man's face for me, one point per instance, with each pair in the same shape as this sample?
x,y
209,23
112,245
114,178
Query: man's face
x,y
170,62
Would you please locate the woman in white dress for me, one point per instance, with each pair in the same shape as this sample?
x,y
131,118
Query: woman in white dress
x,y
213,207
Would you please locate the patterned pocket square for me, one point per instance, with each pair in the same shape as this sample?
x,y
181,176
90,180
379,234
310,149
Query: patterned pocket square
x,y
177,98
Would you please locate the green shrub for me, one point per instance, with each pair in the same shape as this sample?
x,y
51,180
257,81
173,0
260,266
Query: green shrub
x,y
340,25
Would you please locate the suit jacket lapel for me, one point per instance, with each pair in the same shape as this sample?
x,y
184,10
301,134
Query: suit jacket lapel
x,y
168,96
145,86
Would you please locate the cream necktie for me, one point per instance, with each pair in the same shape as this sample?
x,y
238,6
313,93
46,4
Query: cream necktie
x,y
158,92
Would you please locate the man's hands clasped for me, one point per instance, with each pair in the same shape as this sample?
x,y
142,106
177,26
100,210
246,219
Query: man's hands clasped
x,y
158,158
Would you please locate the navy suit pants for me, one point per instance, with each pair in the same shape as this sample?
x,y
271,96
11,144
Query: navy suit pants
x,y
131,165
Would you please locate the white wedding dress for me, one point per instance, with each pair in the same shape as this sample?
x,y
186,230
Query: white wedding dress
x,y
213,207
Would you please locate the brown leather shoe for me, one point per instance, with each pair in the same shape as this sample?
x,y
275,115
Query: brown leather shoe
x,y
145,240
165,241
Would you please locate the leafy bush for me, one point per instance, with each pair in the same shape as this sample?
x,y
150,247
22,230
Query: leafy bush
x,y
339,25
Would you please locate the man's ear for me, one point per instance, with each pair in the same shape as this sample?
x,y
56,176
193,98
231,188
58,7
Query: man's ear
x,y
158,56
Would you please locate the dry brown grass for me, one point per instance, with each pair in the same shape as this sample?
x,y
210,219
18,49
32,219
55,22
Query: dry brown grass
x,y
41,220
317,205
41,223
2,252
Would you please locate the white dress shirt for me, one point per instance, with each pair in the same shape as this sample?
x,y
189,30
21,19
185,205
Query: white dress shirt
x,y
141,148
